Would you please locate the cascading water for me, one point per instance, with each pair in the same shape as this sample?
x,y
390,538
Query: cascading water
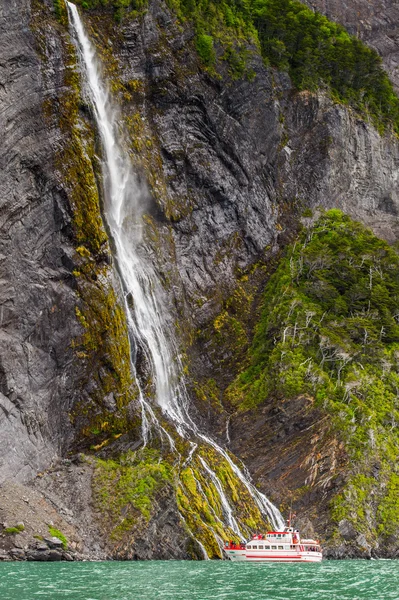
x,y
147,327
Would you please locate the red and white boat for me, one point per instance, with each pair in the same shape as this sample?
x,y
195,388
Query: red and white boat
x,y
276,546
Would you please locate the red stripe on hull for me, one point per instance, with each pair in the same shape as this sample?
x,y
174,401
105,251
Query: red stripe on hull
x,y
272,556
281,557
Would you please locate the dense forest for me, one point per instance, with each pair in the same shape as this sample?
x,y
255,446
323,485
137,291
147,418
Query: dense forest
x,y
316,52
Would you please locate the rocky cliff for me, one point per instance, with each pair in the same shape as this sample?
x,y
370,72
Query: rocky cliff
x,y
231,164
38,384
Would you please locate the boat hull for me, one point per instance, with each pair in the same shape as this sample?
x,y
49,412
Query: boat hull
x,y
236,555
241,555
300,558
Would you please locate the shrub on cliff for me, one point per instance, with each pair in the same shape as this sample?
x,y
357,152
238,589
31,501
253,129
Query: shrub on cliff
x,y
329,329
205,49
315,51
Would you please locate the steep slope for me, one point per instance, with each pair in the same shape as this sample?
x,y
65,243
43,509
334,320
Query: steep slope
x,y
232,157
38,302
325,352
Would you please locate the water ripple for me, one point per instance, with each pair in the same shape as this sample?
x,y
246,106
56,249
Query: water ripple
x,y
207,580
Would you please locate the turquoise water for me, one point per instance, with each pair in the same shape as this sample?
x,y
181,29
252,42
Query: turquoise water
x,y
207,580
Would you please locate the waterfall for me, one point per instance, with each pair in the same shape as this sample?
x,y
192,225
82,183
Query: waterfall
x,y
148,330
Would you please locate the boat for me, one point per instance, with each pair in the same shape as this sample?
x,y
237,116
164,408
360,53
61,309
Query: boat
x,y
276,546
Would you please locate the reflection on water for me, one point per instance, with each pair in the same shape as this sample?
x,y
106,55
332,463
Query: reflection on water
x,y
208,580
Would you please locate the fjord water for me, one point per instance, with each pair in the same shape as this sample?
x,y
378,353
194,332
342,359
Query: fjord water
x,y
147,318
205,580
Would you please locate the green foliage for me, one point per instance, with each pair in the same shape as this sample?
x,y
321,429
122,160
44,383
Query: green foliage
x,y
226,24
206,51
388,509
317,52
120,8
60,11
125,488
58,534
14,530
329,329
198,501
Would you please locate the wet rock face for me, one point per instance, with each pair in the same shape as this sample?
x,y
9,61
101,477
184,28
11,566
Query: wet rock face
x,y
377,23
36,300
215,144
162,538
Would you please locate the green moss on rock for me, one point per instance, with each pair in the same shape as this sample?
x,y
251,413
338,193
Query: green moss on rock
x,y
102,350
58,534
124,489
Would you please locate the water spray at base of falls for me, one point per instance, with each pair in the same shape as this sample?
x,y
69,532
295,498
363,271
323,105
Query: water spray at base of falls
x,y
147,326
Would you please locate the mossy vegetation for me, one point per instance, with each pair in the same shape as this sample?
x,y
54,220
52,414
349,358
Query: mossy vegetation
x,y
60,11
14,530
228,336
200,507
125,488
104,345
131,489
119,8
58,534
199,501
329,329
102,350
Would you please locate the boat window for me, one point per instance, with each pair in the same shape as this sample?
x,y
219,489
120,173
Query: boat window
x,y
274,547
254,547
267,547
281,547
260,547
292,547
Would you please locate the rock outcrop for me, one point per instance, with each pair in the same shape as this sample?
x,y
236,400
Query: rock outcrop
x,y
236,154
28,524
37,382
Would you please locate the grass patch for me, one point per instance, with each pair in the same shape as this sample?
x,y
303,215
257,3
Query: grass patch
x,y
14,530
58,534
